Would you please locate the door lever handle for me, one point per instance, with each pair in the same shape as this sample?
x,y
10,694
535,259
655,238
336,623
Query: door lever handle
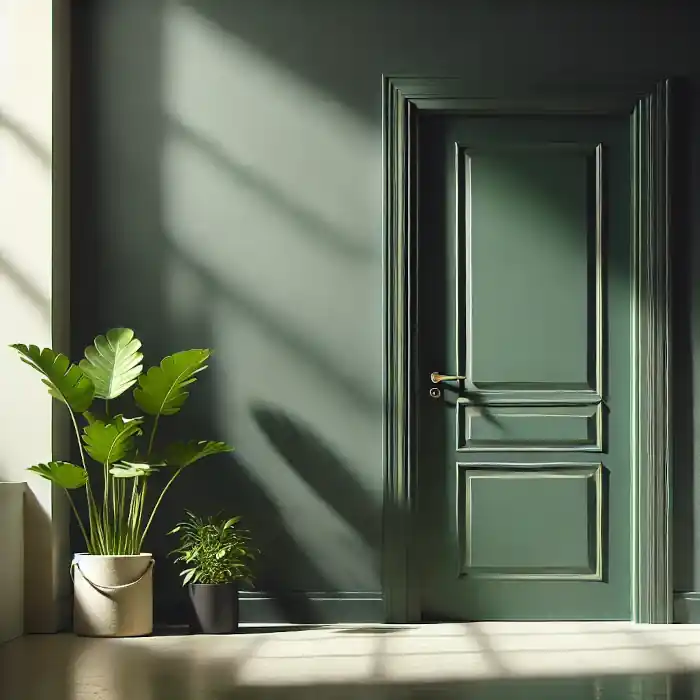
x,y
436,377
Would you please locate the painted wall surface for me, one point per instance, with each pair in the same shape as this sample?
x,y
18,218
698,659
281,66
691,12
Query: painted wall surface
x,y
228,193
32,288
12,556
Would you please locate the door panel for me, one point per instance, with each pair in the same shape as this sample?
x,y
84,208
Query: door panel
x,y
525,428
564,541
523,483
539,242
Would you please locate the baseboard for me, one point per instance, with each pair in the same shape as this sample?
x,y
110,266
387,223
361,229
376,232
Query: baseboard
x,y
284,608
311,608
686,607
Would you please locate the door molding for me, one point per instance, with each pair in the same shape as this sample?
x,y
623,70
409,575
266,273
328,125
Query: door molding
x,y
648,108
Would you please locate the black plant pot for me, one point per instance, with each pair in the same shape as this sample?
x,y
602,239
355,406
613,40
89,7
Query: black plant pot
x,y
214,608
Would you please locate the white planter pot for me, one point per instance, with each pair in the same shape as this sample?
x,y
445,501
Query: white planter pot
x,y
113,595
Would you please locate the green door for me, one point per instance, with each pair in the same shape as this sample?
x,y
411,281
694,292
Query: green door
x,y
524,292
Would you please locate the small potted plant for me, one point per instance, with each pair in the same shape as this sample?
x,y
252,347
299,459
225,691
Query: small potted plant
x,y
217,555
119,452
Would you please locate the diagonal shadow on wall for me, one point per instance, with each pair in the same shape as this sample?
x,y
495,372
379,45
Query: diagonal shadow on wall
x,y
27,139
285,333
26,287
311,223
7,269
322,469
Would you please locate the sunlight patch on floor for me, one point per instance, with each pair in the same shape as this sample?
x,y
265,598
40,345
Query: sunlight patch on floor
x,y
342,656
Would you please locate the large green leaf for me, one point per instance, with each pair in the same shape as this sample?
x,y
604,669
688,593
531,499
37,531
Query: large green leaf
x,y
64,474
161,391
65,381
182,454
111,441
113,362
130,470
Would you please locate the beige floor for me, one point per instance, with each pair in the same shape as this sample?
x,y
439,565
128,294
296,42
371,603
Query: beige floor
x,y
536,661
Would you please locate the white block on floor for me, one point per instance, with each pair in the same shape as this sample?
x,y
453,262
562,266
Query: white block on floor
x,y
11,560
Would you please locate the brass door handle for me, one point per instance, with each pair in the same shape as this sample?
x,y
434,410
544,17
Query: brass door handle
x,y
436,377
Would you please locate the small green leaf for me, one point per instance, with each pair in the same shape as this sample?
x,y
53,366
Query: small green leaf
x,y
214,552
189,575
63,474
183,454
161,391
108,442
131,470
66,382
113,362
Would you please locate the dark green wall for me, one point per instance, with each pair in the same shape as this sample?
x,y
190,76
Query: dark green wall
x,y
227,193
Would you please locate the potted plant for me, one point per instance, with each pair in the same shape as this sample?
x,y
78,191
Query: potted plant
x,y
217,555
113,594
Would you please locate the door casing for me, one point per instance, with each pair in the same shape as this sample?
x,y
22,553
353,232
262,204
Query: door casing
x,y
650,114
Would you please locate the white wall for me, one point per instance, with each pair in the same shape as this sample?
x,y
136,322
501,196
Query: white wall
x,y
31,274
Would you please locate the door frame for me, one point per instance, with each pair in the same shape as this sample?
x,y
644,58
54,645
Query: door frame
x,y
649,110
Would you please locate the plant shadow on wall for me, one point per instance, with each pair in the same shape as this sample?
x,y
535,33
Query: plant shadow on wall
x,y
285,571
322,469
228,483
282,556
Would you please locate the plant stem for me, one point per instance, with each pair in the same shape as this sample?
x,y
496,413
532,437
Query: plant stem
x,y
106,495
78,518
99,535
155,507
121,520
95,526
77,435
142,503
153,436
116,523
115,514
131,520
